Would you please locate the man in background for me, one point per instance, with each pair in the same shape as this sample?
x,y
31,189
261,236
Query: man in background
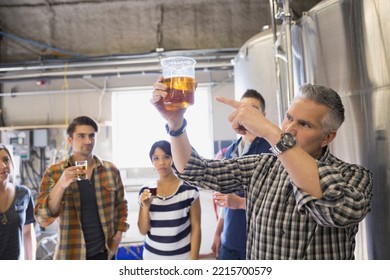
x,y
230,235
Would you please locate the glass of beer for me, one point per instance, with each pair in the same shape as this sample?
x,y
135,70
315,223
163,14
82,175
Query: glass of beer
x,y
179,76
83,166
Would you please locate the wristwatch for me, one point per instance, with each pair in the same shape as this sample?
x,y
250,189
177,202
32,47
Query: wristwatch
x,y
175,133
287,141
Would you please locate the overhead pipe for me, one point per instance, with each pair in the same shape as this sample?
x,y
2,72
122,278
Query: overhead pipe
x,y
113,65
93,90
119,71
119,60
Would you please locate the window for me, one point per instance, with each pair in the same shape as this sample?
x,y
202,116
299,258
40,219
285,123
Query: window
x,y
137,125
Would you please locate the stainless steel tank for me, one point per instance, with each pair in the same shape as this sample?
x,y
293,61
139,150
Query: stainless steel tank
x,y
345,45
254,68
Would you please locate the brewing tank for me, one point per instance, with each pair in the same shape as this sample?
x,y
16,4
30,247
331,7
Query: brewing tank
x,y
254,68
342,44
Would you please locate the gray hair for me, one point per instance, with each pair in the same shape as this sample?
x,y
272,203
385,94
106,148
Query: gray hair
x,y
328,97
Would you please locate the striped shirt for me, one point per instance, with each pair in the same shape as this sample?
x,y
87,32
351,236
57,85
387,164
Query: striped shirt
x,y
111,202
283,222
170,227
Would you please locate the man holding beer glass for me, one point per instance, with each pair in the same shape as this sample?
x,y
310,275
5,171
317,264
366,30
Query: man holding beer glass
x,y
299,197
92,209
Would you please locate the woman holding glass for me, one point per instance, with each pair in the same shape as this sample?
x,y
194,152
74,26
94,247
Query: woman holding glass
x,y
169,213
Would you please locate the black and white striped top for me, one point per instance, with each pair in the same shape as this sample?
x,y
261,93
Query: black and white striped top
x,y
170,232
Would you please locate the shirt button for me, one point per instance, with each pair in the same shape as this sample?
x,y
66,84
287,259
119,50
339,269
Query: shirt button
x,y
281,233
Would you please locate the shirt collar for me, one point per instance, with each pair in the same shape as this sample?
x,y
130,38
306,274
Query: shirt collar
x,y
325,155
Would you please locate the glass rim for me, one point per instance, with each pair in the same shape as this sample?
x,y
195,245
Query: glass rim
x,y
184,58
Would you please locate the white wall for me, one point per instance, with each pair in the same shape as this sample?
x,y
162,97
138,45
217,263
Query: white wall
x,y
57,102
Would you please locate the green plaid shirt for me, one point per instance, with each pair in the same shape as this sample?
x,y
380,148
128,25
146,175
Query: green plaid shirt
x,y
111,202
284,222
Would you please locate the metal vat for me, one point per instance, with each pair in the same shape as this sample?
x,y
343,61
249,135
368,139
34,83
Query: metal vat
x,y
345,45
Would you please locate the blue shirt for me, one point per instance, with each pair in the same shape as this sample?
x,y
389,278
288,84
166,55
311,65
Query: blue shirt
x,y
234,226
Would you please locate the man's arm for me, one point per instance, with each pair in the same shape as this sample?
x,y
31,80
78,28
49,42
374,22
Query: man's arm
x,y
53,186
181,147
68,176
217,236
230,200
181,151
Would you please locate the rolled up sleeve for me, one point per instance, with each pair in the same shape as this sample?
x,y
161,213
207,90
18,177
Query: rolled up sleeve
x,y
347,192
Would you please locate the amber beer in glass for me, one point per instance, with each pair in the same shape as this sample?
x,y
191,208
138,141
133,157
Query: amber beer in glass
x,y
180,92
82,164
179,77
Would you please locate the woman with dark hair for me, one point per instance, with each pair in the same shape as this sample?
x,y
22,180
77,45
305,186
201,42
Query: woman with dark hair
x,y
17,235
169,213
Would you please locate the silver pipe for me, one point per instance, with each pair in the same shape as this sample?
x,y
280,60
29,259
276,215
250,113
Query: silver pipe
x,y
110,61
273,7
290,69
92,90
135,69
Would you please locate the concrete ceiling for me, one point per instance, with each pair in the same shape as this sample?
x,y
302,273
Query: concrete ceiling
x,y
126,37
34,30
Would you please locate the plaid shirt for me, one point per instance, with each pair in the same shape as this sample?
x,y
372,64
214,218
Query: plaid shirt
x,y
112,207
283,222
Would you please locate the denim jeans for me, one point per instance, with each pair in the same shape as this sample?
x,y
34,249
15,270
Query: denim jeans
x,y
230,254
